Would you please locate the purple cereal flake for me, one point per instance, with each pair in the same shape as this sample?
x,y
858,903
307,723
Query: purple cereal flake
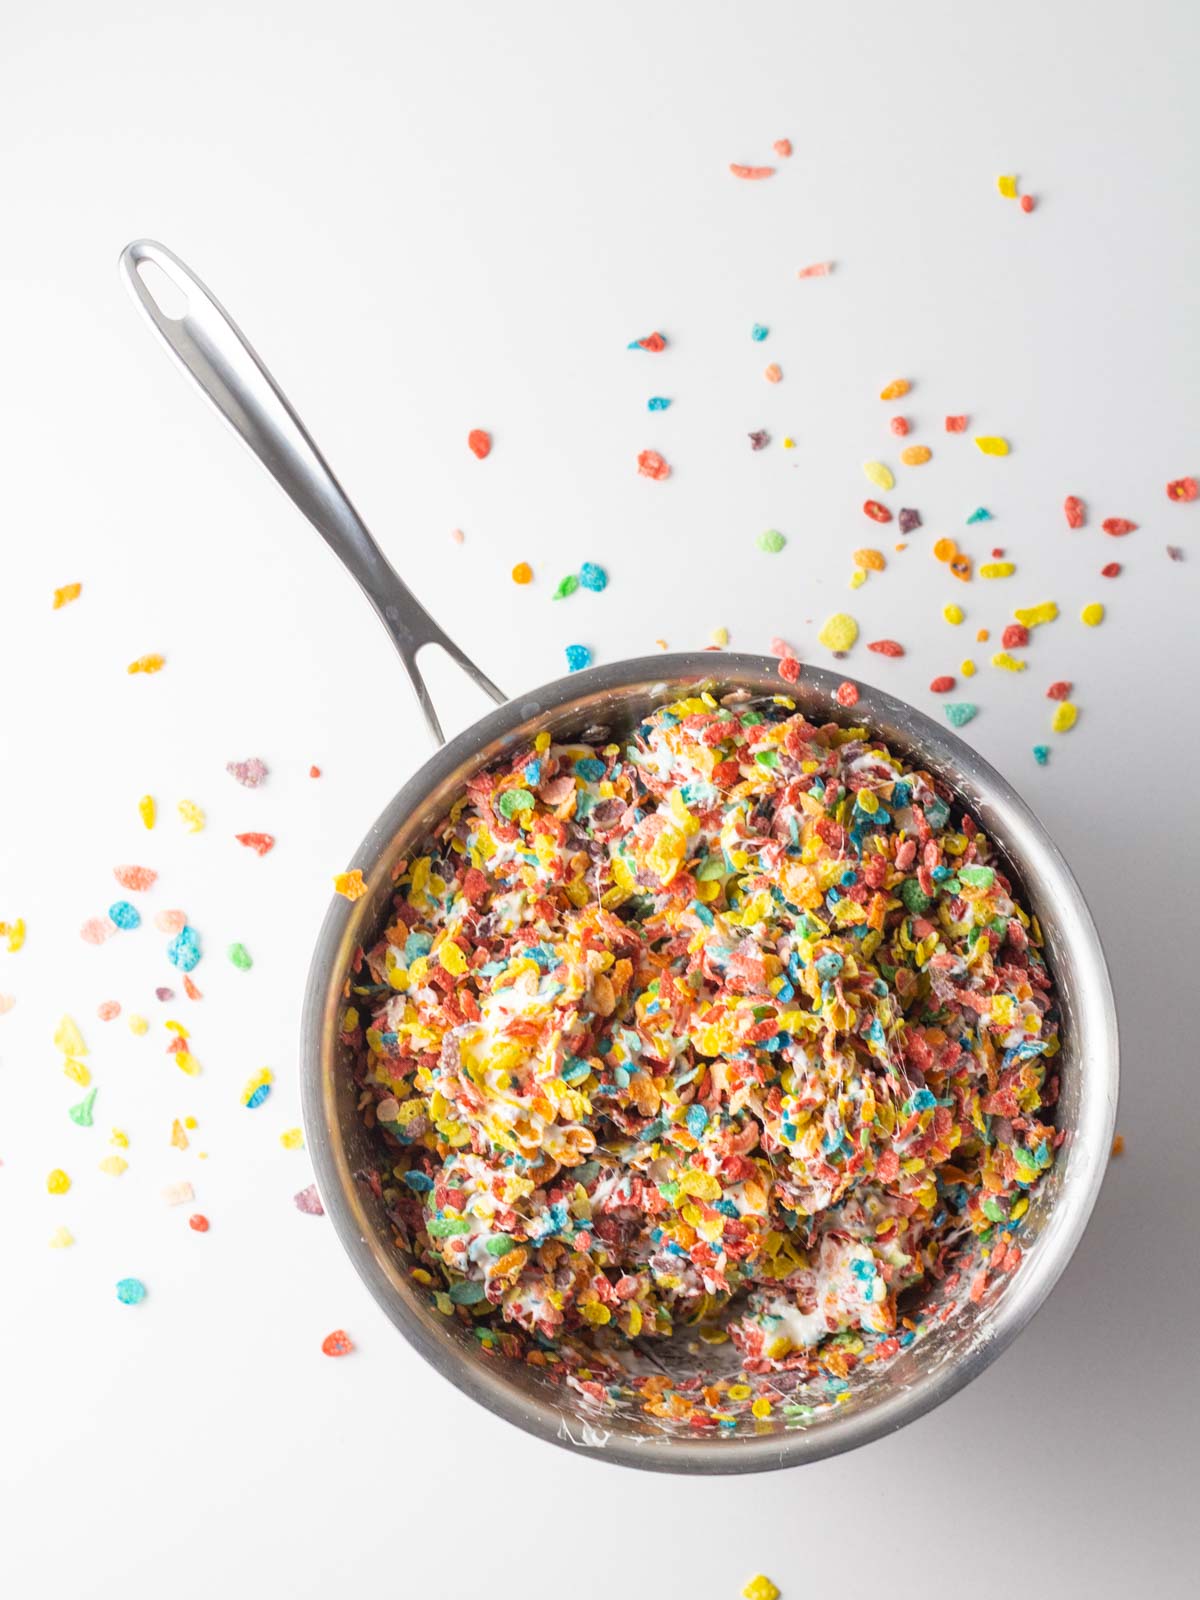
x,y
909,520
164,995
1175,552
759,439
249,773
309,1201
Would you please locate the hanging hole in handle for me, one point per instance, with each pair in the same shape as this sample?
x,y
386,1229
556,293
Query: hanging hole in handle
x,y
170,299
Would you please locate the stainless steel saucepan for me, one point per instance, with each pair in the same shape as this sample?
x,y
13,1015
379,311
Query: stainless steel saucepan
x,y
958,1343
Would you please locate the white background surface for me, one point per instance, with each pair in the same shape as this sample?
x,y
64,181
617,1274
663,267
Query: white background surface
x,y
430,218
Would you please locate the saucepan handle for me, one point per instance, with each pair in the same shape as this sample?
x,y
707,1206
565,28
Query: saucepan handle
x,y
207,344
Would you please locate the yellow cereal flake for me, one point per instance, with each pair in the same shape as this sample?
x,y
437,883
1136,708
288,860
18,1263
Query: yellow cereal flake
x,y
138,1024
61,1239
1065,717
292,1138
761,1408
968,668
879,475
58,1182
858,577
178,1137
760,1587
873,560
190,815
68,1037
895,390
147,809
838,632
992,444
915,455
997,569
1034,616
1007,185
1092,615
77,1072
14,932
151,663
350,884
120,1138
114,1166
954,615
720,637
1008,663
64,596
186,1062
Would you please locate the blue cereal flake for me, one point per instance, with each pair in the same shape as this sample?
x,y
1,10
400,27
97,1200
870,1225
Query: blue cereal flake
x,y
184,949
417,1182
593,577
960,712
257,1096
122,915
131,1291
758,332
657,402
590,769
1041,754
697,1121
980,514
578,657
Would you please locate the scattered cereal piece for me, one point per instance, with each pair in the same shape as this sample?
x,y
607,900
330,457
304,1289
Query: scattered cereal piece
x,y
190,815
1183,489
131,1291
754,173
909,520
1118,526
652,465
114,1166
96,930
957,424
292,1138
184,949
190,989
900,426
846,694
1034,616
261,843
997,569
720,637
879,474
479,443
1007,185
942,685
772,541
164,994
257,1088
782,147
249,773
759,332
135,878
983,635
657,402
170,921
1008,663
760,1587
876,511
68,1038
895,390
967,668
1059,690
1027,203
58,1182
1075,511
980,514
759,439
593,577
886,647
198,1222
350,884
819,269
314,772
151,663
137,1024
1111,569
124,915
915,455
872,560
457,535
77,1072
14,932
789,669
240,957
945,549
64,596
1041,754
789,444
522,572
309,1201
1065,717
992,444
146,809
62,1239
108,1009
1015,636
858,577
578,657
179,1139
960,712
1175,552
1092,615
81,1114
773,373
838,632
1118,1145
179,1194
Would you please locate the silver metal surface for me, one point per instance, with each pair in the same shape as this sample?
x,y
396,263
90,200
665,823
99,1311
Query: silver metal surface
x,y
210,348
965,1336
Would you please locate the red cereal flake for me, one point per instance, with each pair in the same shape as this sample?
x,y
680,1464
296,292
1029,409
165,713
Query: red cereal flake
x,y
942,685
1118,526
479,443
846,694
782,148
789,669
1111,569
780,647
886,647
997,553
1075,510
190,989
957,424
1183,489
314,772
652,465
877,512
900,425
260,843
96,930
1059,690
198,1222
1027,203
337,1343
750,172
654,342
108,1009
818,269
135,877
1014,636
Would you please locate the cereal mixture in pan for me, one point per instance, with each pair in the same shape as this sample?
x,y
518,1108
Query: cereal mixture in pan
x,y
737,1027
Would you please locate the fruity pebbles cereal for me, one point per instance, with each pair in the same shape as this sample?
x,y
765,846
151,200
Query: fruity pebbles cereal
x,y
738,1027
